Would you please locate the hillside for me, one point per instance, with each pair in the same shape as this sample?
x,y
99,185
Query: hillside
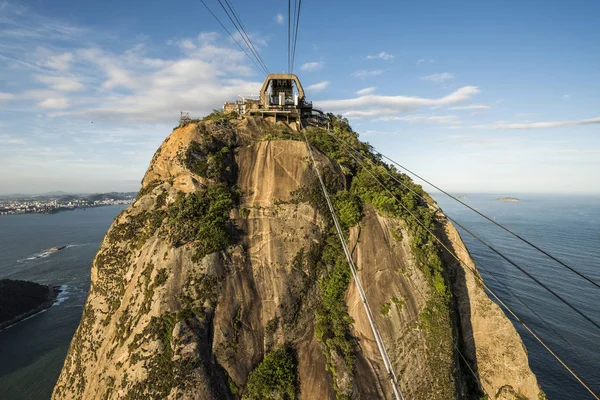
x,y
225,280
21,299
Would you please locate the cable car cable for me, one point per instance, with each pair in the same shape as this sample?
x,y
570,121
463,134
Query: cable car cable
x,y
496,223
480,279
265,69
237,18
293,19
296,35
289,41
381,346
463,247
226,30
536,280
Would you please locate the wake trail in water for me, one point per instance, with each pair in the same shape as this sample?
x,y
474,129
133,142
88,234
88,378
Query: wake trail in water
x,y
63,295
48,252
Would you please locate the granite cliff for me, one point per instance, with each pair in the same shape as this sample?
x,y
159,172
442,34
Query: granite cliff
x,y
225,280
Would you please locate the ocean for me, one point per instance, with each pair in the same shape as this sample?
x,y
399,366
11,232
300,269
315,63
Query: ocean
x,y
32,352
568,227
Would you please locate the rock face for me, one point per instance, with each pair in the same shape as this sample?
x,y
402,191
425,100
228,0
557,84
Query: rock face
x,y
224,280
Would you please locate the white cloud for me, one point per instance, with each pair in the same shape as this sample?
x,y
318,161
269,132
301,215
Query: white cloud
x,y
61,62
6,96
93,83
423,61
187,44
362,74
141,90
318,86
532,125
439,119
256,39
372,132
8,139
200,80
478,140
370,106
279,19
312,66
66,84
54,102
474,107
381,56
208,37
367,90
444,76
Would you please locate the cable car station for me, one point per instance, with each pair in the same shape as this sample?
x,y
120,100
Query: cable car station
x,y
281,99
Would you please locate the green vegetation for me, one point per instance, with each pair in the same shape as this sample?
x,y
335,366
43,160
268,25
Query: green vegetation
x,y
217,115
272,325
112,261
232,386
397,235
333,323
348,208
385,309
164,370
280,132
202,217
136,228
327,263
161,277
211,159
148,287
148,188
416,217
161,200
275,378
20,297
398,302
244,213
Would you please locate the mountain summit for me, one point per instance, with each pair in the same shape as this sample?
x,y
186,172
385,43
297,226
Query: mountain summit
x,y
225,280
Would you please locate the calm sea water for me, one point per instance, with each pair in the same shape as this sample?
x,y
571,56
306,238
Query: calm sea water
x,y
32,352
569,228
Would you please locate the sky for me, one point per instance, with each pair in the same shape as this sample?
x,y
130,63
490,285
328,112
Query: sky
x,y
476,96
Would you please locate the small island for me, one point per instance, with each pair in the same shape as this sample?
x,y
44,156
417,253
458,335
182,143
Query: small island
x,y
22,299
509,199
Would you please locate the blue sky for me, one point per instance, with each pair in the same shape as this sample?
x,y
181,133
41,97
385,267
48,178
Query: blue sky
x,y
477,96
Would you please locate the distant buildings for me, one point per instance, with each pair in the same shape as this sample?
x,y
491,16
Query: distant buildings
x,y
50,206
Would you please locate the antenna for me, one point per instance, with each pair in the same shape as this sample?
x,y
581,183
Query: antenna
x,y
184,118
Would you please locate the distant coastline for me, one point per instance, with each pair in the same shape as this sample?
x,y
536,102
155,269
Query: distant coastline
x,y
56,210
48,204
508,199
20,300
